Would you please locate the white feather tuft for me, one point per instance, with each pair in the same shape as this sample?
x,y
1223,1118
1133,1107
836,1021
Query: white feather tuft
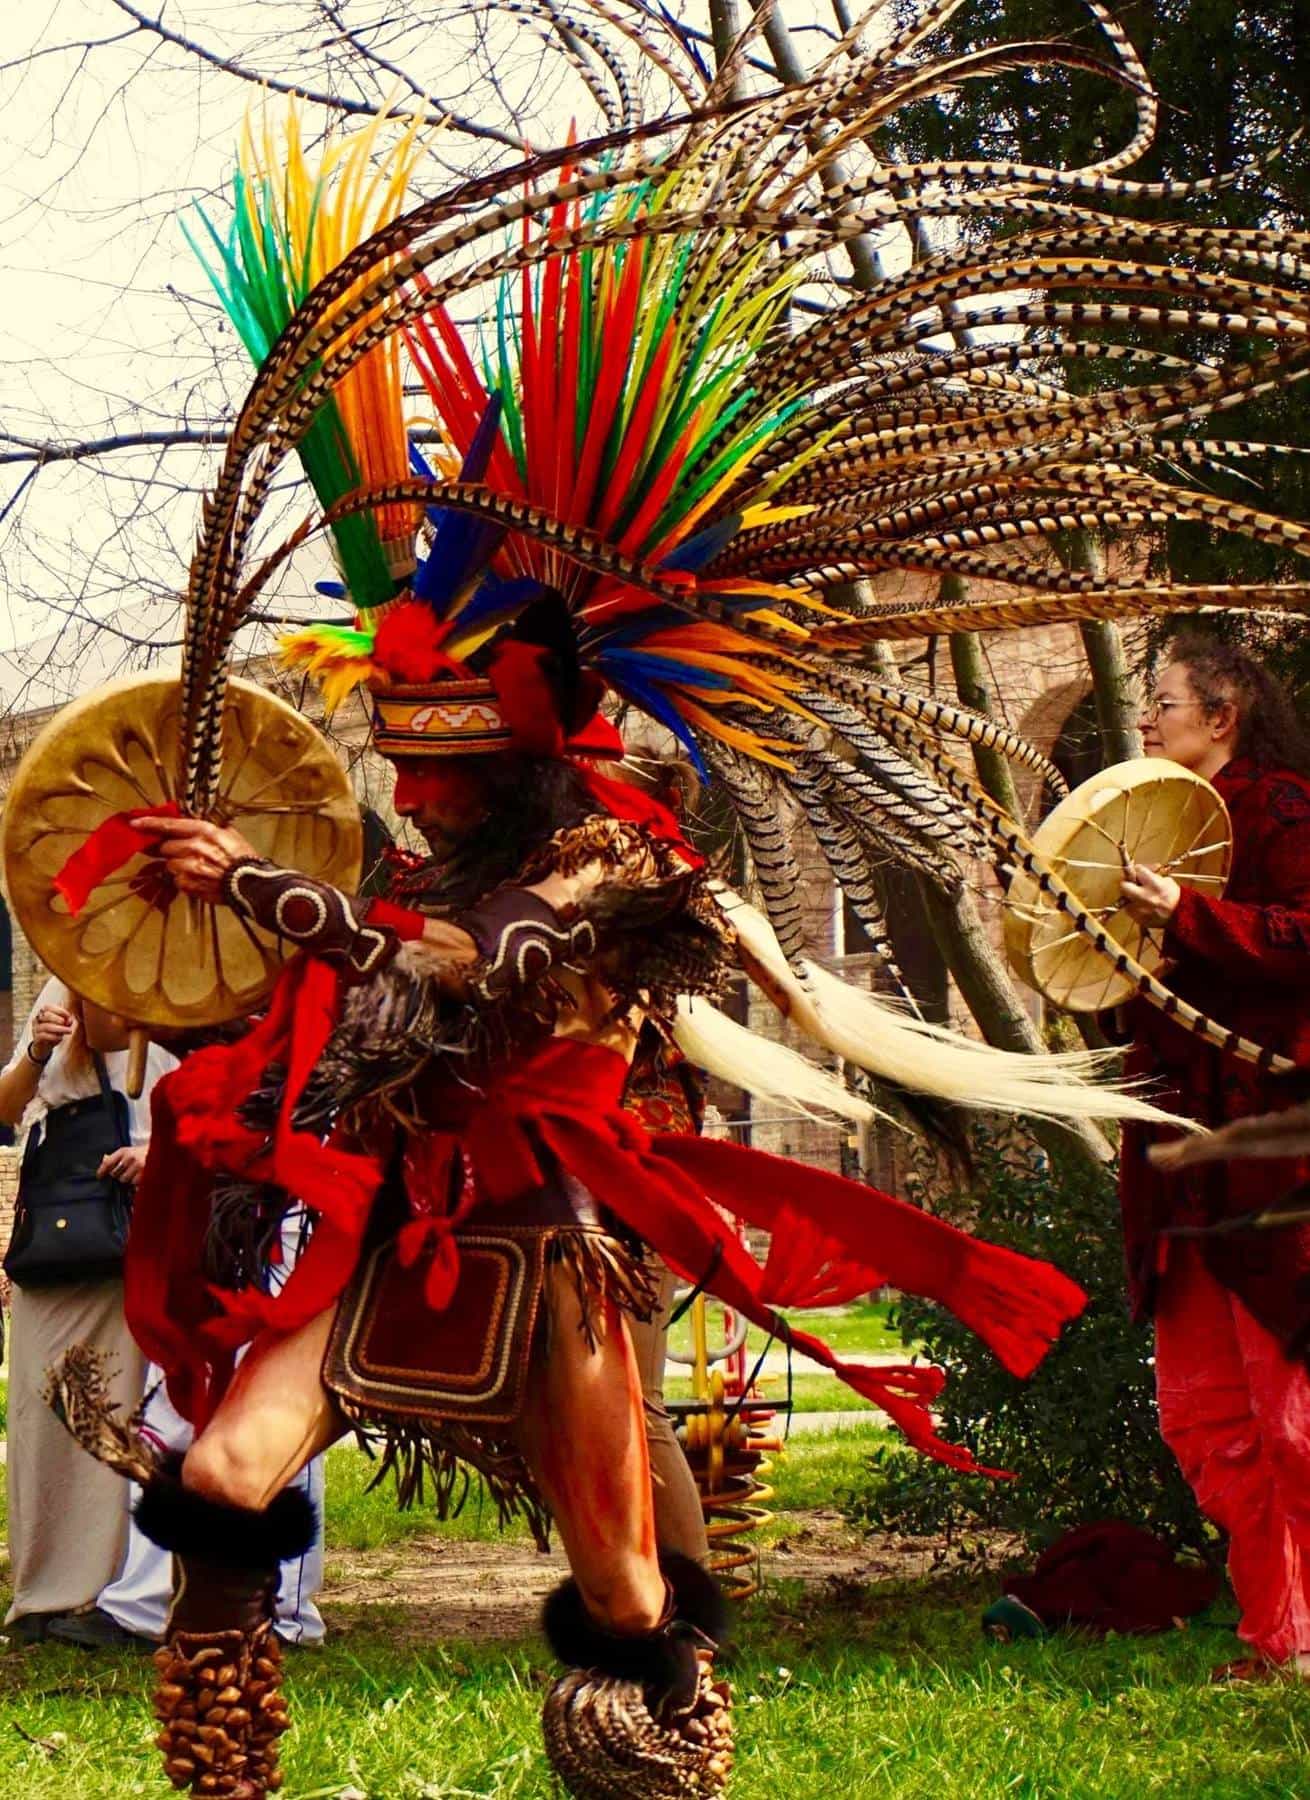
x,y
768,1070
881,1038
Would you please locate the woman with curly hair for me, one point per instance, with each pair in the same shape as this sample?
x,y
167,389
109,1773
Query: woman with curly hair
x,y
1232,1305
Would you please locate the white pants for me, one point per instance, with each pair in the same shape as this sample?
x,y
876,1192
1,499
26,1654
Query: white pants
x,y
139,1598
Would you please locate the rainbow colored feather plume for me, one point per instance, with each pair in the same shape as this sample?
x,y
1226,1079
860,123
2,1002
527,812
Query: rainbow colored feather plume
x,y
290,227
629,412
614,394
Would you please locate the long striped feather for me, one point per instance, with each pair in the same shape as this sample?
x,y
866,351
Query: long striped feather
x,y
698,465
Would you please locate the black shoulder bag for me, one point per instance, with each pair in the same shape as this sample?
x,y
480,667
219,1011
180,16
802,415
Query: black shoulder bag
x,y
71,1224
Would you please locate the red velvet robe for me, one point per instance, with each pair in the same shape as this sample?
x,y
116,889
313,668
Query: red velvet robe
x,y
1245,960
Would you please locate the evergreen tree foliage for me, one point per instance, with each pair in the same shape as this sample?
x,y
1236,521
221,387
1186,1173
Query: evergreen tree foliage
x,y
1082,1438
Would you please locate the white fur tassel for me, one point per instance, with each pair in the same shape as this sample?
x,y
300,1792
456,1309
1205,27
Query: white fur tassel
x,y
881,1038
768,1070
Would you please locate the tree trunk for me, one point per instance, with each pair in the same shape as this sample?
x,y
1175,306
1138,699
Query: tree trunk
x,y
992,998
725,25
974,689
1112,679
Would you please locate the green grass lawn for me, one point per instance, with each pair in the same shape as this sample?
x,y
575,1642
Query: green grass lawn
x,y
844,1689
885,1693
882,1691
860,1330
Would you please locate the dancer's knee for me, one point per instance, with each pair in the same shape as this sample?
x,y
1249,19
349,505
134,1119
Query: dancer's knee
x,y
220,1468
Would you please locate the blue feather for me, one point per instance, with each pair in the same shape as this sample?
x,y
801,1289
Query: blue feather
x,y
687,41
421,466
495,596
663,668
463,543
704,546
652,701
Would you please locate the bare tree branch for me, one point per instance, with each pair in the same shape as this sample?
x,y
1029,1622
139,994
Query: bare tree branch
x,y
31,450
436,115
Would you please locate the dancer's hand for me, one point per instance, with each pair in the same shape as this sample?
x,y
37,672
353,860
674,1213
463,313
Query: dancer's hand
x,y
197,853
1150,897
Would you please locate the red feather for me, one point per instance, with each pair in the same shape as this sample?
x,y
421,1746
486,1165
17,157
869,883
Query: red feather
x,y
408,646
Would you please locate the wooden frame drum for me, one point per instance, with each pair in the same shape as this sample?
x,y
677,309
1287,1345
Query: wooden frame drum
x,y
139,948
1148,811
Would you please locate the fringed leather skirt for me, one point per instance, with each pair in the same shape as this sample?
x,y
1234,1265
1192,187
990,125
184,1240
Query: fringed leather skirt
x,y
438,1388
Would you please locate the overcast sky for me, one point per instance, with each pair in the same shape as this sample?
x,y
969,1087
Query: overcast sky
x,y
107,136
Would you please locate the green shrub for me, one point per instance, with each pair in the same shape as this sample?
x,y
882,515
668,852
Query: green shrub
x,y
1081,1437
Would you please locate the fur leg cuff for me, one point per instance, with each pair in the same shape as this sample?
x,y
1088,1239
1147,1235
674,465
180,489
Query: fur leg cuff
x,y
232,1537
663,1659
698,1598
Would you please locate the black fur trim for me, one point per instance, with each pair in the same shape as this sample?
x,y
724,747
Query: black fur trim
x,y
230,1537
662,1659
697,1596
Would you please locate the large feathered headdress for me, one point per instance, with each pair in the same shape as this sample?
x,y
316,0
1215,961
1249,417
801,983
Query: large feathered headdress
x,y
651,473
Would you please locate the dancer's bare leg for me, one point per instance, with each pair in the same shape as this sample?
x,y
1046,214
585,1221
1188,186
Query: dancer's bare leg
x,y
626,1616
583,1436
273,1419
231,1522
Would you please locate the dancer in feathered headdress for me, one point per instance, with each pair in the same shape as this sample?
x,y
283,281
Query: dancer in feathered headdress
x,y
652,486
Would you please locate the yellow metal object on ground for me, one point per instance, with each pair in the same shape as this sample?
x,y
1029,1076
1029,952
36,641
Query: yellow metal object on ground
x,y
728,1454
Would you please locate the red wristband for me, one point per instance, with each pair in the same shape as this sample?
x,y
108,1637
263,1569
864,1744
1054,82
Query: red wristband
x,y
407,925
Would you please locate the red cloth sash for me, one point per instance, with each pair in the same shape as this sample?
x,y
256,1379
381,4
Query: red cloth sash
x,y
566,1097
114,841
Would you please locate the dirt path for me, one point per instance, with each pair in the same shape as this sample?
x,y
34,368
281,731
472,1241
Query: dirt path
x,y
446,1589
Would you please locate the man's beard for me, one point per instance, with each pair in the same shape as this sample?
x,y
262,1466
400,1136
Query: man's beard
x,y
445,841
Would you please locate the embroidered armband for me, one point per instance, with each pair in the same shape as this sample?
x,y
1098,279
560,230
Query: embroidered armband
x,y
520,937
315,917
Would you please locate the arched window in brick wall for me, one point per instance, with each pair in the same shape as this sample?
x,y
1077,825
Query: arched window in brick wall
x,y
1077,752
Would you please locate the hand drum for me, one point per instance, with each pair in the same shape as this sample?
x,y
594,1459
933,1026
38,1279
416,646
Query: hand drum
x,y
139,948
1144,811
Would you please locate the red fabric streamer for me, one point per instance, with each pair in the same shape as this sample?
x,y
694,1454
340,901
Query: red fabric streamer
x,y
114,841
407,924
624,800
183,1323
567,1098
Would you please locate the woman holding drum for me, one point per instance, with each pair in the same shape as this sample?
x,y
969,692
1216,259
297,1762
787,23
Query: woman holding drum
x,y
1231,1307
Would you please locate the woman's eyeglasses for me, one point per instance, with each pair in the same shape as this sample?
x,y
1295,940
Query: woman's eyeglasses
x,y
1154,708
